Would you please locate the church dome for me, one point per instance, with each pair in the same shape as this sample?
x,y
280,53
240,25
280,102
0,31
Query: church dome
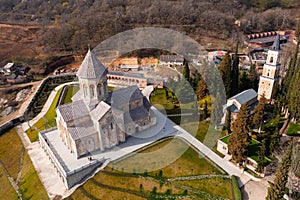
x,y
91,67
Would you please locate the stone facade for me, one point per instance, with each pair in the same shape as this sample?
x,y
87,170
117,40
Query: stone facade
x,y
97,119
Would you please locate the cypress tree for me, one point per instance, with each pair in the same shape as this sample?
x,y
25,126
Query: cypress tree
x,y
259,112
239,140
277,189
274,140
196,81
244,82
201,89
261,157
225,68
228,121
294,94
253,78
205,110
186,71
235,72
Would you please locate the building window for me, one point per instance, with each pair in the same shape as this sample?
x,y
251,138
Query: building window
x,y
85,90
92,90
271,59
111,126
99,88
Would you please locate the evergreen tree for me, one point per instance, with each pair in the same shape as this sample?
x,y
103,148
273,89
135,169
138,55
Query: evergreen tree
x,y
235,72
261,157
239,140
225,68
186,71
253,77
196,81
228,121
294,94
205,110
244,82
290,72
259,112
201,89
274,140
278,189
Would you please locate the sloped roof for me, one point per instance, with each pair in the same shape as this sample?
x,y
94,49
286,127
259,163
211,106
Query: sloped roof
x,y
91,67
125,95
101,109
276,44
81,132
72,111
244,96
8,66
136,114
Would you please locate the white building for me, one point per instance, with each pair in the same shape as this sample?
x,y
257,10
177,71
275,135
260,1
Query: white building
x,y
268,81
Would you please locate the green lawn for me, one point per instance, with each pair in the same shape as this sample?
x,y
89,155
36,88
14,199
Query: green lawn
x,y
71,90
6,189
119,180
217,186
47,121
30,184
293,129
163,98
10,155
10,152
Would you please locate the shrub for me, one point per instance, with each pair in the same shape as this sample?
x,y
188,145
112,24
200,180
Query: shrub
x,y
236,190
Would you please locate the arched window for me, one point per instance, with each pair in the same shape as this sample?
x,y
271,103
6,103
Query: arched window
x,y
99,89
84,90
271,59
92,90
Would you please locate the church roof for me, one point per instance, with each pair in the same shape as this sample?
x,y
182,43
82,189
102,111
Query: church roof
x,y
245,96
276,44
136,114
91,67
81,132
101,109
125,95
72,111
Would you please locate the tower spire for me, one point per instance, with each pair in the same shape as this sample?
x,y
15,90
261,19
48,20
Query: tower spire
x,y
276,44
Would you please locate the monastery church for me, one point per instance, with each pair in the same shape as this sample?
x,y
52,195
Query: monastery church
x,y
98,119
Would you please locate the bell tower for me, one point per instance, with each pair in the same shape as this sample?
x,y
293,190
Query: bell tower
x,y
270,75
92,80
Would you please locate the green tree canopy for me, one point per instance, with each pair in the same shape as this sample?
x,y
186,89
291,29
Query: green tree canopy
x,y
239,140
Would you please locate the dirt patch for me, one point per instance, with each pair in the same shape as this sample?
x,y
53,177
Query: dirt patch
x,y
19,41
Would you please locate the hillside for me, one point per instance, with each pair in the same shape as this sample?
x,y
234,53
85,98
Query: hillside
x,y
67,27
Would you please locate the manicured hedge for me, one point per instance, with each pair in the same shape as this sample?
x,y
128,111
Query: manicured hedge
x,y
236,190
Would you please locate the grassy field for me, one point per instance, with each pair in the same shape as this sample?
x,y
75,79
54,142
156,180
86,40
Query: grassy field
x,y
217,186
10,155
164,99
10,152
293,129
6,190
47,121
70,93
30,184
116,182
